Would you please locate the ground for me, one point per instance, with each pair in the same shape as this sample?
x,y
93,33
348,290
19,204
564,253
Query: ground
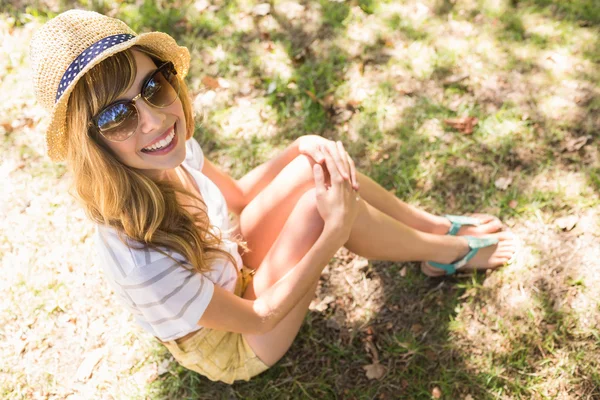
x,y
455,106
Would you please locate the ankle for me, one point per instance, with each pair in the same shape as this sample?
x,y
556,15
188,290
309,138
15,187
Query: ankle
x,y
449,249
441,225
457,249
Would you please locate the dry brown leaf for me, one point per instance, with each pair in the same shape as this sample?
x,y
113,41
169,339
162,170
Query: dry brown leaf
x,y
374,371
468,397
462,124
210,82
416,329
567,223
436,393
403,272
455,79
576,144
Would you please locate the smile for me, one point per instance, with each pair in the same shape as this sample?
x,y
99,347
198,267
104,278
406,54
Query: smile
x,y
161,144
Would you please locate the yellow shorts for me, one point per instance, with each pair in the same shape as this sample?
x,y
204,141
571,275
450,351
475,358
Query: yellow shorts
x,y
218,355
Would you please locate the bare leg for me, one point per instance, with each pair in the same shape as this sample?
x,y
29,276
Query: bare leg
x,y
375,234
300,232
285,221
414,217
378,235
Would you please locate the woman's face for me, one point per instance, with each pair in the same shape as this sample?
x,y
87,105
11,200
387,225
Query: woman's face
x,y
154,124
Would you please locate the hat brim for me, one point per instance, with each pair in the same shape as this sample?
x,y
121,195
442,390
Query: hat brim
x,y
162,44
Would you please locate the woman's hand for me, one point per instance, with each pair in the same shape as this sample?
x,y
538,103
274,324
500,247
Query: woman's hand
x,y
338,203
313,145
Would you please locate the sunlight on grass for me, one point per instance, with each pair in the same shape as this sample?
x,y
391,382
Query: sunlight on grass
x,y
273,60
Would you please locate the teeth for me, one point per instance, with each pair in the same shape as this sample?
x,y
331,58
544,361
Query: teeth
x,y
165,142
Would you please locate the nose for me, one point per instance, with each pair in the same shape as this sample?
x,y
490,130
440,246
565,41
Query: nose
x,y
150,118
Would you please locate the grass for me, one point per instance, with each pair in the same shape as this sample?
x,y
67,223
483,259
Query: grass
x,y
382,76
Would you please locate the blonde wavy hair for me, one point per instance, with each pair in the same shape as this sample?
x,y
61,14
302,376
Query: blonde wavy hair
x,y
120,196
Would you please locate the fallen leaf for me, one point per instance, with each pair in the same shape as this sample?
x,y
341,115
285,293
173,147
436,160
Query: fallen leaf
x,y
360,263
403,272
567,223
436,393
513,204
372,349
210,82
462,124
374,371
455,79
503,183
468,397
88,364
576,144
261,9
322,305
416,329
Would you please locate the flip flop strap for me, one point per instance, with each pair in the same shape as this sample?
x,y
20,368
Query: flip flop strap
x,y
457,221
475,243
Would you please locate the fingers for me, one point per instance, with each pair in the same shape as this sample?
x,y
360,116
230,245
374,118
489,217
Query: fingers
x,y
343,160
334,173
355,184
319,180
334,151
318,155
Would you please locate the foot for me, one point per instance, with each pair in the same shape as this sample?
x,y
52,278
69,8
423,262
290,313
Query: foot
x,y
490,257
489,224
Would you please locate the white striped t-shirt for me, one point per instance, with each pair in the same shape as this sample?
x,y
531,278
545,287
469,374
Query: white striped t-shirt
x,y
166,299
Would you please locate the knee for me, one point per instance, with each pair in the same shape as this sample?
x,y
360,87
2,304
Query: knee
x,y
308,204
303,166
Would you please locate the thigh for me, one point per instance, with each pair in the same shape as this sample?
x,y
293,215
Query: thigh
x,y
263,218
297,236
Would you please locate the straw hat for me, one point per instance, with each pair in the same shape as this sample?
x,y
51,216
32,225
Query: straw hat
x,y
69,45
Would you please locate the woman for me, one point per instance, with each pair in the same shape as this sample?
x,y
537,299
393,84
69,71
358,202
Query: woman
x,y
122,119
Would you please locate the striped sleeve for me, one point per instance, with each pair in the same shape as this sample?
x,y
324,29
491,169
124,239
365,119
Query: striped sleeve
x,y
170,297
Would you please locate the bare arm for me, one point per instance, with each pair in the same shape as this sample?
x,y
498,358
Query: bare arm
x,y
238,193
228,312
338,208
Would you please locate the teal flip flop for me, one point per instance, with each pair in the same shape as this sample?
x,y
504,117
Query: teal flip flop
x,y
475,243
457,221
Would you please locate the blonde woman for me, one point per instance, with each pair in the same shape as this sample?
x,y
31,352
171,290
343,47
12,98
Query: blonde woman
x,y
122,120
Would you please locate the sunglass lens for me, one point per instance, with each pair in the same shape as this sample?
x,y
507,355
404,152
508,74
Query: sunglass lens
x,y
118,122
163,88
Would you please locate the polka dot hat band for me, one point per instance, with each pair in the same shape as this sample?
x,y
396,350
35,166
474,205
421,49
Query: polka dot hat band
x,y
72,43
84,58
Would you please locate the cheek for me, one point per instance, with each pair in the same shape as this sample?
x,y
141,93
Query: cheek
x,y
123,150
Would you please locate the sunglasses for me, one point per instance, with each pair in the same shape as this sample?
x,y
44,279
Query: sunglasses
x,y
118,121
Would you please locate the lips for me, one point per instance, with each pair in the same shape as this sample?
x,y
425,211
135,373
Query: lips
x,y
161,137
